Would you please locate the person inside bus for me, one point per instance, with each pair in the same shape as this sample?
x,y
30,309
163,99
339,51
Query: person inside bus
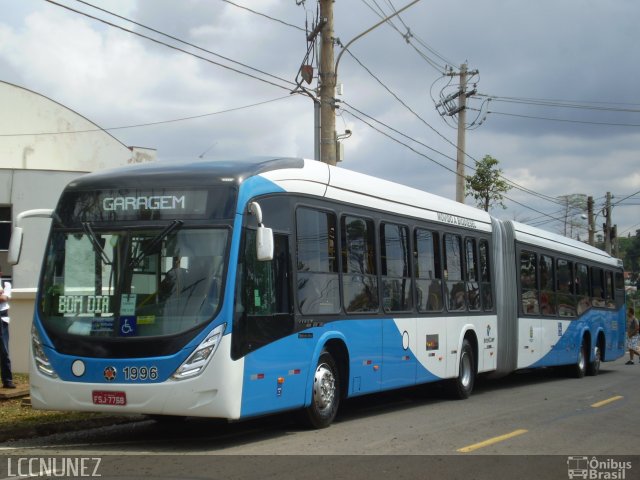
x,y
633,338
174,281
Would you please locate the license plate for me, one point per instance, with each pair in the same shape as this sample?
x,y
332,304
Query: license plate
x,y
109,398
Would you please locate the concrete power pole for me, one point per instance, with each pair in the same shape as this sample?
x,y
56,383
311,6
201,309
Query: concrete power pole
x,y
462,116
607,226
327,77
592,227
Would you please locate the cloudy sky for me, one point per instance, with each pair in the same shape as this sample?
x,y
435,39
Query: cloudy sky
x,y
563,119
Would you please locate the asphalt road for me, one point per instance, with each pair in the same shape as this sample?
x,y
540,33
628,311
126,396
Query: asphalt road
x,y
530,424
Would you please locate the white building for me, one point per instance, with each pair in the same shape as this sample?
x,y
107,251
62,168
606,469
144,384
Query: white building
x,y
43,146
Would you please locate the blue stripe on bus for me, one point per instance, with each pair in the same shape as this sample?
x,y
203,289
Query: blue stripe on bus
x,y
279,376
565,351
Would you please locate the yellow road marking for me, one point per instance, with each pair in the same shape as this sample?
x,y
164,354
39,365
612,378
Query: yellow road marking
x,y
607,401
491,441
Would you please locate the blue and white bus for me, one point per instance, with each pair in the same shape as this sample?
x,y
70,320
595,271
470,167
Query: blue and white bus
x,y
237,289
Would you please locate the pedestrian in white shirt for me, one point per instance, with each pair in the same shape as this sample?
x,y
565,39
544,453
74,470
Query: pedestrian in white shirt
x,y
5,361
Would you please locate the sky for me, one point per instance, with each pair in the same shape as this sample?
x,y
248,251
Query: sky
x,y
556,99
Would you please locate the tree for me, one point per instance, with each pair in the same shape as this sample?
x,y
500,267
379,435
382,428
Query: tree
x,y
486,186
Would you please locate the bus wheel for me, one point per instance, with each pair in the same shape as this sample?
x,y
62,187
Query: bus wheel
x,y
593,368
580,368
325,394
462,386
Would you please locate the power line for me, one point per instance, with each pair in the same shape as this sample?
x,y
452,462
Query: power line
x,y
404,104
265,15
604,106
408,36
561,119
193,117
174,47
422,154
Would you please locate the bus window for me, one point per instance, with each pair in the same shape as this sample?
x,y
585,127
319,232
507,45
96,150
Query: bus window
x,y
318,280
486,291
359,278
609,292
548,300
582,288
394,256
428,271
454,286
472,284
597,287
564,287
263,300
529,283
620,295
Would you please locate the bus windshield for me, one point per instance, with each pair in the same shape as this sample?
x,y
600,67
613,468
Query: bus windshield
x,y
132,283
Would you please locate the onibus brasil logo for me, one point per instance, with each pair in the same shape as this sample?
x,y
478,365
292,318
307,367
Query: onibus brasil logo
x,y
596,469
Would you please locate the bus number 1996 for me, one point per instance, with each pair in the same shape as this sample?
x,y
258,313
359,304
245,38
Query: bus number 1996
x,y
140,373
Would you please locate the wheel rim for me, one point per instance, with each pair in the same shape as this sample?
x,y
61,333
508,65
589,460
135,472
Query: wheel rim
x,y
596,358
581,359
465,370
324,388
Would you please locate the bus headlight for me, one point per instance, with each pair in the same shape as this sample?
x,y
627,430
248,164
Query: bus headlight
x,y
199,359
39,356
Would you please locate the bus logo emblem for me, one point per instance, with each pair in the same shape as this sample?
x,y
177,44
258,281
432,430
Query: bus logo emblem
x,y
110,374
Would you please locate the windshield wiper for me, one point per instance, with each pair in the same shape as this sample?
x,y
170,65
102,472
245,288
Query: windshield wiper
x,y
154,243
86,226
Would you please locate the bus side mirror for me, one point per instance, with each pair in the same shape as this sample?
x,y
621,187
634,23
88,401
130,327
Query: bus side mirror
x,y
15,244
264,235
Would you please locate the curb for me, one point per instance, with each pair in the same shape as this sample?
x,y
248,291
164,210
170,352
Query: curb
x,y
44,429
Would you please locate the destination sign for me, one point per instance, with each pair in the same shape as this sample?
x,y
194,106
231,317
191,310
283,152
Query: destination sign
x,y
154,202
84,305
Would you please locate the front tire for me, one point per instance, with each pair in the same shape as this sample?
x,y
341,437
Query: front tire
x,y
325,394
462,386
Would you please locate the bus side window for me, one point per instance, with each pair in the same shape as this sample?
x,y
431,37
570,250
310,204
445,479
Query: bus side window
x,y
455,287
318,290
486,291
428,271
597,287
359,279
396,275
548,299
582,288
471,277
564,287
609,291
529,283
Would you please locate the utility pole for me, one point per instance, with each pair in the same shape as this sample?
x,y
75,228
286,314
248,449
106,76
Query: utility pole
x,y
462,116
327,76
607,225
592,227
449,108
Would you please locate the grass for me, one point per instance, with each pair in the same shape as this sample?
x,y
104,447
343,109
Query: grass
x,y
15,414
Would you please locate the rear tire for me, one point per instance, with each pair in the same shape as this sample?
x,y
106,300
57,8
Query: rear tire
x,y
325,393
462,386
580,368
593,368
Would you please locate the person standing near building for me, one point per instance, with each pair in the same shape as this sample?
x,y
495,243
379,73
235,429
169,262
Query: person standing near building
x,y
5,361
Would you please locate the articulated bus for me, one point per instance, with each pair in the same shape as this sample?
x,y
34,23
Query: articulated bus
x,y
238,289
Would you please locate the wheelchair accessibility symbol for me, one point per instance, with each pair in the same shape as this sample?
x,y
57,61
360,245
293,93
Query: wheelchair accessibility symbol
x,y
128,326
